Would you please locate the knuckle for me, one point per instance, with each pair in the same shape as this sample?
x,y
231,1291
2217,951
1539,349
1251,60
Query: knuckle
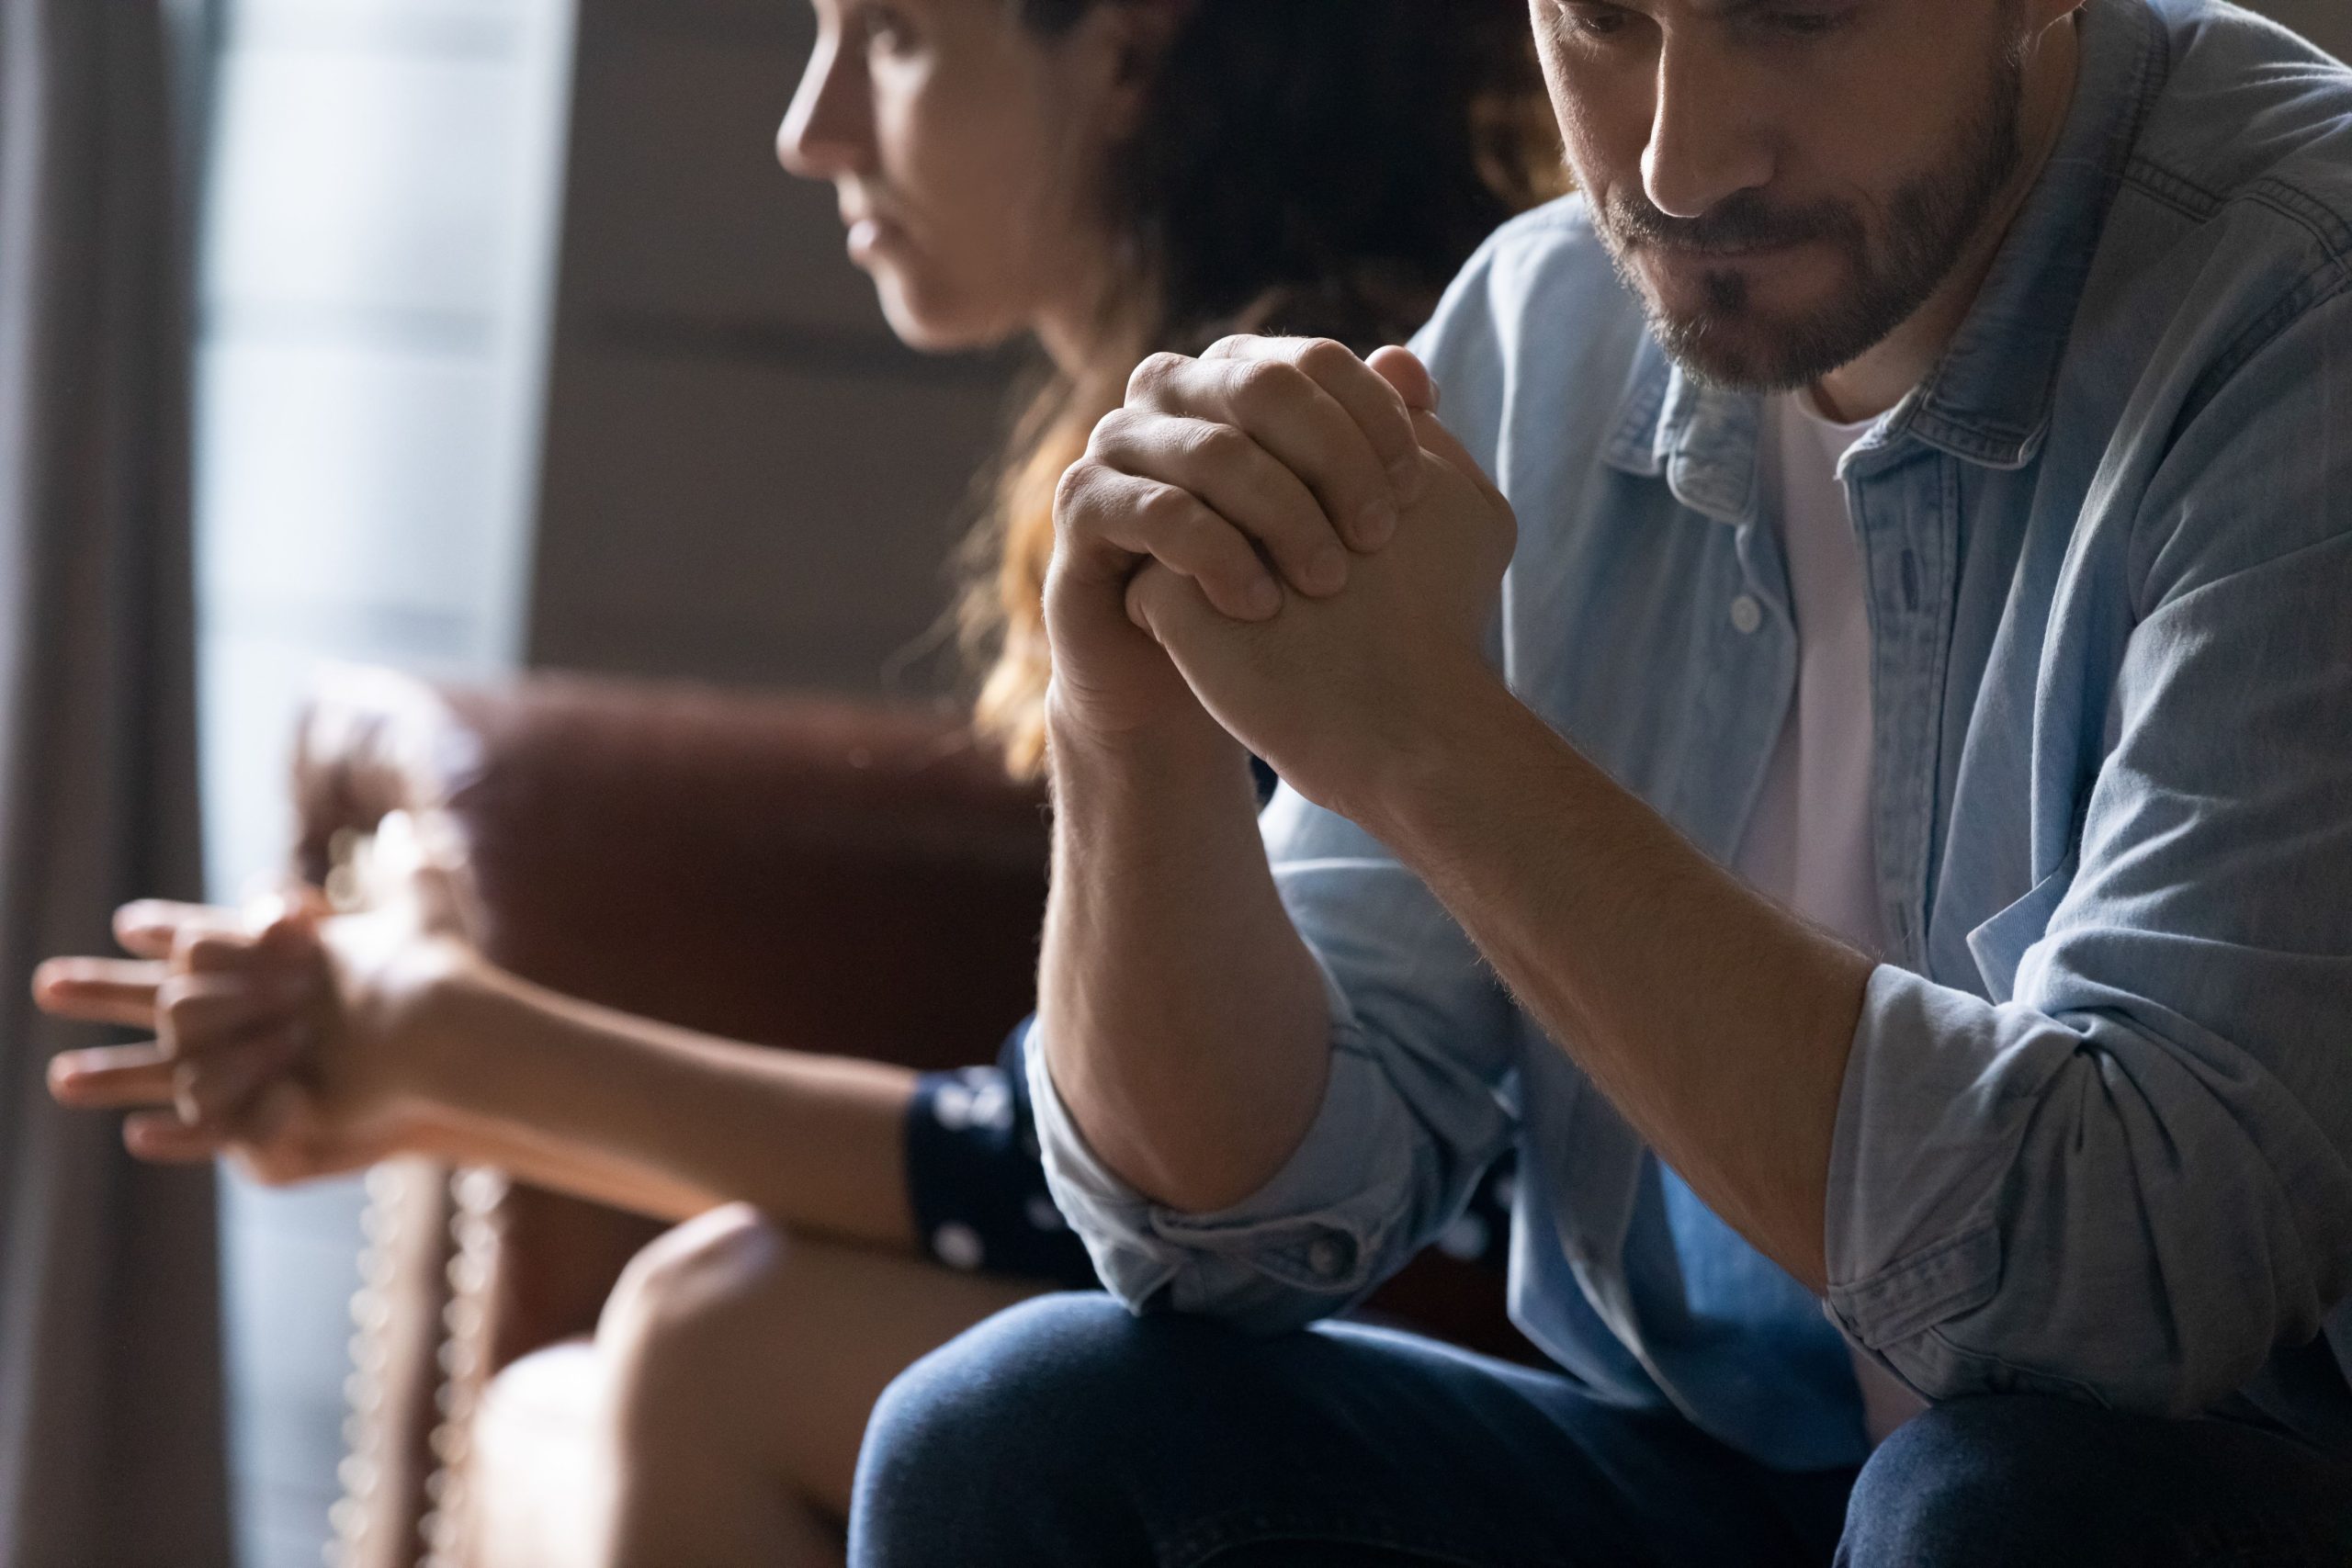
x,y
1231,345
1220,446
1114,431
1075,485
1268,384
1154,374
1168,513
176,998
1322,356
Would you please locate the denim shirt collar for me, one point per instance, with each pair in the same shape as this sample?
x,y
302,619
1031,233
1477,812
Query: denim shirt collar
x,y
1987,400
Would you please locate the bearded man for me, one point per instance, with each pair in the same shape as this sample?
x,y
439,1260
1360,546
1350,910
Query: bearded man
x,y
1883,851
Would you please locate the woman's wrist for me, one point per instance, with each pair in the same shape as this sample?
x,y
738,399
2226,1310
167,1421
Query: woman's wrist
x,y
429,1021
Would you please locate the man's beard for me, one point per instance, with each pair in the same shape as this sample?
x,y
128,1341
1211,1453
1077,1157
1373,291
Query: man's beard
x,y
1925,229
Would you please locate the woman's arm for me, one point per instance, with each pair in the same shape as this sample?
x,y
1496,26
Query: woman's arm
x,y
665,1120
314,1046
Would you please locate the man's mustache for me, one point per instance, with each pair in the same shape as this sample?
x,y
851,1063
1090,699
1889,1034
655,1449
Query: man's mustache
x,y
1742,221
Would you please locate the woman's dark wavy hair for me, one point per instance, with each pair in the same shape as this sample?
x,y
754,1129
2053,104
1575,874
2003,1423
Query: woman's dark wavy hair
x,y
1320,167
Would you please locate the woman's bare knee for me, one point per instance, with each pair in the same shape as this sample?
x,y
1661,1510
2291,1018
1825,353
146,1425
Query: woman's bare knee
x,y
701,1299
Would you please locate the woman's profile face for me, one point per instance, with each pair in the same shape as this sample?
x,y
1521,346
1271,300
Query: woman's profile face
x,y
965,149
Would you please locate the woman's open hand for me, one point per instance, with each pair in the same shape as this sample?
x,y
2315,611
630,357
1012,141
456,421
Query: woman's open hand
x,y
289,1038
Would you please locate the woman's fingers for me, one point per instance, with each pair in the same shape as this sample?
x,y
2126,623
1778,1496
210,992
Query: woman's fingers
x,y
160,1137
112,1078
219,1089
199,1014
149,928
100,990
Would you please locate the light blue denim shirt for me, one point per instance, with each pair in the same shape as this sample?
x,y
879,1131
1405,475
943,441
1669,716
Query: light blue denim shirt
x,y
2096,1138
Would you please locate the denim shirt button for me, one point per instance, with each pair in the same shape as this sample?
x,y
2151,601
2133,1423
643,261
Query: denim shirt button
x,y
1746,615
1328,1256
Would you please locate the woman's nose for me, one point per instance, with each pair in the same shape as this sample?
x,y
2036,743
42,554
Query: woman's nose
x,y
828,131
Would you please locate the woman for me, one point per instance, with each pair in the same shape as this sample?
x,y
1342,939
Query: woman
x,y
1107,177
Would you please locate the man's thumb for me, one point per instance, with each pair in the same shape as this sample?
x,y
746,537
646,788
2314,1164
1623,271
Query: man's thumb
x,y
1402,370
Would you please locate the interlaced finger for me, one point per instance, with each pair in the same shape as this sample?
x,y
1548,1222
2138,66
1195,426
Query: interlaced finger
x,y
1152,521
150,927
1370,401
112,1078
219,1089
1282,411
196,1014
160,1137
100,990
1238,481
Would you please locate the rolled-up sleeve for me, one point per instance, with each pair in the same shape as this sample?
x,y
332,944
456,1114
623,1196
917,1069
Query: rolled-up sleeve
x,y
2127,1176
1411,1114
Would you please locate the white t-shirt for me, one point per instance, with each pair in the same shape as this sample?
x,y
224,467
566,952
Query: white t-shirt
x,y
1811,844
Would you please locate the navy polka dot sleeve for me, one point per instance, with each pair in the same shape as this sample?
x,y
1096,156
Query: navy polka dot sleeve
x,y
978,1181
979,1184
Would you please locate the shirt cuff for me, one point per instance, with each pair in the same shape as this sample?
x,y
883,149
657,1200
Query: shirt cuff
x,y
1311,1242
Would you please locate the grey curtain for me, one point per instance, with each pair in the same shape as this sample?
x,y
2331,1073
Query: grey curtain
x,y
110,1402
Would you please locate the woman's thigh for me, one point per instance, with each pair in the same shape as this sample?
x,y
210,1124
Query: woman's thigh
x,y
1066,1431
772,1349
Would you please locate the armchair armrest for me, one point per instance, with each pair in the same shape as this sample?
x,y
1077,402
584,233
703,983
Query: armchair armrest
x,y
789,870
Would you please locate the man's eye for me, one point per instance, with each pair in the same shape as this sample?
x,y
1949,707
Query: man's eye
x,y
1594,21
1804,24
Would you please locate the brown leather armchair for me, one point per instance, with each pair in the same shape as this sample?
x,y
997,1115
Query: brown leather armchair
x,y
787,870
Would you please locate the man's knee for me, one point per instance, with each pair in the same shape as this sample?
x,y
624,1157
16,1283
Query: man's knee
x,y
2003,1479
1028,1386
687,1303
1019,1434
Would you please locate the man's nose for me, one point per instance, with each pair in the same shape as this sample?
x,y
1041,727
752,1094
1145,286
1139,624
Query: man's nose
x,y
827,132
1704,145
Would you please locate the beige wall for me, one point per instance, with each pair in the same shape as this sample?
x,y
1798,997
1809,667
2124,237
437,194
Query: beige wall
x,y
746,478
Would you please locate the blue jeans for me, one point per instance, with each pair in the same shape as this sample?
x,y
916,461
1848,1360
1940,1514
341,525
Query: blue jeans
x,y
1066,1434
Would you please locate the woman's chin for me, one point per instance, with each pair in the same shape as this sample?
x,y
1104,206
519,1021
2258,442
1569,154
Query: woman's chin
x,y
929,328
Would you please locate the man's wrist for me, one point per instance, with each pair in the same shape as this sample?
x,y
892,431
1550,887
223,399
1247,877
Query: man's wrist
x,y
1416,775
1184,744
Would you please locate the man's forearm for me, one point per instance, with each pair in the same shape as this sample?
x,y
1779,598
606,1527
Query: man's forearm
x,y
1718,1024
1185,1024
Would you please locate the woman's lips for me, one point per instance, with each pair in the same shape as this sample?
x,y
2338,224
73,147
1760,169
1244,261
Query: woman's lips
x,y
869,237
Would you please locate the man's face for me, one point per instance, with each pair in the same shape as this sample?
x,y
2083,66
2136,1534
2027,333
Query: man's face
x,y
1785,182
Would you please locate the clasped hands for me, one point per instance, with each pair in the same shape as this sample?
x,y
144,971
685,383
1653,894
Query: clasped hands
x,y
288,1037
1283,537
